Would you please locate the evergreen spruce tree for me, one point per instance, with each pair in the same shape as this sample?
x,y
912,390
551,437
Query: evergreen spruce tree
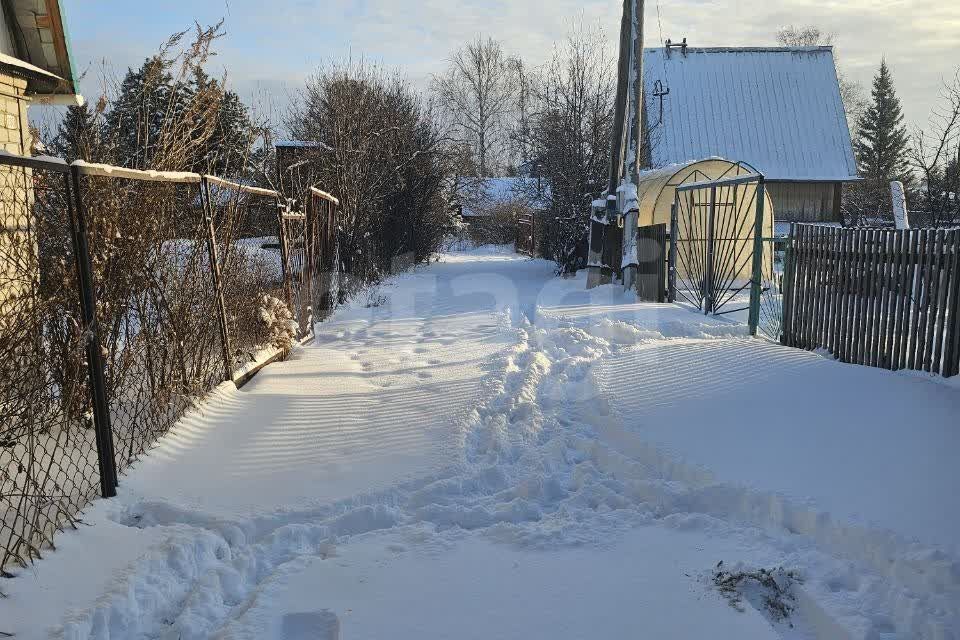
x,y
881,145
79,135
136,117
226,151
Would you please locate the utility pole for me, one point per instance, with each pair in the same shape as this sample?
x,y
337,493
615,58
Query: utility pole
x,y
625,147
629,206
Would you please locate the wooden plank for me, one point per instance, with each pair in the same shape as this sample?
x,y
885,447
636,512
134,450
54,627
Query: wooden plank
x,y
951,365
821,287
893,295
889,298
804,306
933,308
928,295
918,306
841,295
860,333
910,239
876,288
869,272
879,321
850,321
816,264
945,258
833,280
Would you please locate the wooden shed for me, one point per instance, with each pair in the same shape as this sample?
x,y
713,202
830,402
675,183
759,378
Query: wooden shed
x,y
779,108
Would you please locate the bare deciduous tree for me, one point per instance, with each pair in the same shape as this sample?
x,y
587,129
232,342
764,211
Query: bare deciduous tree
x,y
851,92
568,138
935,153
380,149
478,94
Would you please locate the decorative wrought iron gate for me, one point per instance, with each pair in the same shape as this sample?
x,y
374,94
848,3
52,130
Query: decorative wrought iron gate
x,y
720,261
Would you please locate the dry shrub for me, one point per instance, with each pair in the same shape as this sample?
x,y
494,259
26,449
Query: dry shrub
x,y
277,323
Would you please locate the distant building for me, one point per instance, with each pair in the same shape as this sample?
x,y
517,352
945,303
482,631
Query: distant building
x,y
35,66
778,109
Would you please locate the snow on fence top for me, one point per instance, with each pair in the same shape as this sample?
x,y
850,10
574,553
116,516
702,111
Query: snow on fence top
x,y
257,191
324,195
110,171
777,108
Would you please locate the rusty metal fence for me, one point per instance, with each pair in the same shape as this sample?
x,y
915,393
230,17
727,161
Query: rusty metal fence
x,y
309,241
125,297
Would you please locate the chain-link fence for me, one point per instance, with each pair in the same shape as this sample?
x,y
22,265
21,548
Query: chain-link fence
x,y
48,455
125,296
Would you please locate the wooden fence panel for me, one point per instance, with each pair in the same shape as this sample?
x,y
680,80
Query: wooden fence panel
x,y
951,366
878,297
652,263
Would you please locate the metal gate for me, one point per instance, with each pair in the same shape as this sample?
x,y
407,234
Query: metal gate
x,y
720,261
308,243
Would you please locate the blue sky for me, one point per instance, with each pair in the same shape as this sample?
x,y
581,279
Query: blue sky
x,y
272,46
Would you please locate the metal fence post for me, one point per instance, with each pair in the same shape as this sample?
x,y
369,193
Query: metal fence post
x,y
215,277
672,256
757,271
284,252
106,456
310,245
786,289
708,281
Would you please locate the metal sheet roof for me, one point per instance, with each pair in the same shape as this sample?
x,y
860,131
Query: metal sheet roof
x,y
777,108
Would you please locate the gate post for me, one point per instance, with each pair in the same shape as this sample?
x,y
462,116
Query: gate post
x,y
595,247
756,277
284,252
215,278
786,290
708,283
672,259
106,457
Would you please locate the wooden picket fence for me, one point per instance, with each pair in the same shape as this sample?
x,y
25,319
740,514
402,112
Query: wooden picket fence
x,y
878,297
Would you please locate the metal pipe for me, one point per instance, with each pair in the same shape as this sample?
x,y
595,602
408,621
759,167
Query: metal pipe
x,y
215,276
103,432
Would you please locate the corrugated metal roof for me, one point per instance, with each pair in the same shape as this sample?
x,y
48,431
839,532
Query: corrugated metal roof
x,y
778,109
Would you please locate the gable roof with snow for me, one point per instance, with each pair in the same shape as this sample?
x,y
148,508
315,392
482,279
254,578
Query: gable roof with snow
x,y
487,192
777,108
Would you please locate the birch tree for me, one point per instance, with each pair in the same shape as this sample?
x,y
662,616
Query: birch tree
x,y
478,91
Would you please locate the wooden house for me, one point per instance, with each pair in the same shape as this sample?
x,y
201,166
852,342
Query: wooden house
x,y
777,108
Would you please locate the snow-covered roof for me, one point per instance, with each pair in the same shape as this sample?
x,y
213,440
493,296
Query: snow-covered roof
x,y
777,108
493,191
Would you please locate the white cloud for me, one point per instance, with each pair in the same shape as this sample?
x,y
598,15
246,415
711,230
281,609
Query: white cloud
x,y
274,45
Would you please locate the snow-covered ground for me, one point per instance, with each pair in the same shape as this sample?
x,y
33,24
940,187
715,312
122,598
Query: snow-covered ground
x,y
492,452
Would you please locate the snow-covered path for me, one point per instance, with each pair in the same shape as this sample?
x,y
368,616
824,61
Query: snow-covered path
x,y
480,450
